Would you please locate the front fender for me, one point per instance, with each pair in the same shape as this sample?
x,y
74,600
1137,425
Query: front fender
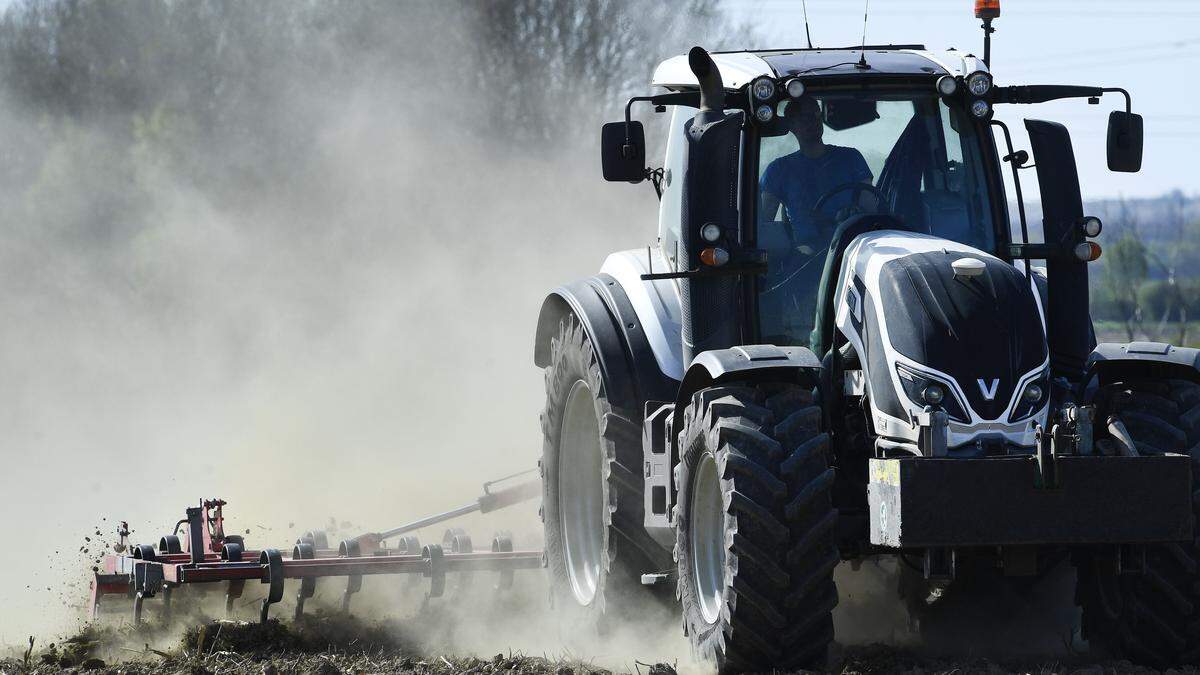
x,y
745,363
1116,362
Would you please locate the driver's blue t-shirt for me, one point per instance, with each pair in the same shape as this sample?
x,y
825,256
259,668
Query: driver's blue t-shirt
x,y
799,182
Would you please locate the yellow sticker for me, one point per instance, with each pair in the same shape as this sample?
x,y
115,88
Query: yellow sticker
x,y
885,472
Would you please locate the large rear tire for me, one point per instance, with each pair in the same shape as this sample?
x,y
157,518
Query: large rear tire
x,y
1153,618
755,529
596,544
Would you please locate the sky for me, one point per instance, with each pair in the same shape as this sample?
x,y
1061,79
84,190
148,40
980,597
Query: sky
x,y
1149,47
1146,46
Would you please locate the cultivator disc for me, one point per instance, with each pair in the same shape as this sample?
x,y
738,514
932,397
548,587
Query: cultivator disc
x,y
206,557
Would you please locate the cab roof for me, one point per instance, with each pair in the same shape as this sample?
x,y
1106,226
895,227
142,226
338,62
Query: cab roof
x,y
739,68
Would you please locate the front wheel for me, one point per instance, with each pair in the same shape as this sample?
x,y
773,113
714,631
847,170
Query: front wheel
x,y
1152,617
755,528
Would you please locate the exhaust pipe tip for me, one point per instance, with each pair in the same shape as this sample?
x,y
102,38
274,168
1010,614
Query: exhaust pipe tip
x,y
712,89
700,62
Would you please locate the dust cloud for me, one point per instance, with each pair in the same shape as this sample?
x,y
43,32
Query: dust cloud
x,y
309,289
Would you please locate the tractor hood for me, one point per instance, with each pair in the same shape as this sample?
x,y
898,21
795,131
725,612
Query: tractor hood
x,y
922,310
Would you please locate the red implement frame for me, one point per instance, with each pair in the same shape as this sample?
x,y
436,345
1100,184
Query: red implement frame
x,y
207,555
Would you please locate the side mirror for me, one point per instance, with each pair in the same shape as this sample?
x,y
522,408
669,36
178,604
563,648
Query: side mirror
x,y
623,158
1124,142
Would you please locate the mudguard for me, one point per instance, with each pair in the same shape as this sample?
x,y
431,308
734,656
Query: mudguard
x,y
1114,362
747,362
631,373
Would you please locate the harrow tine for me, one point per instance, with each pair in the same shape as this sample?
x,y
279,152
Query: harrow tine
x,y
232,552
502,543
308,585
436,570
409,545
147,578
316,538
350,549
274,562
458,541
166,596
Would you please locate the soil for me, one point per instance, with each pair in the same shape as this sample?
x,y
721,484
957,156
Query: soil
x,y
330,643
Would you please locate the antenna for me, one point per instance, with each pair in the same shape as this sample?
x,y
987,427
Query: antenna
x,y
807,34
862,55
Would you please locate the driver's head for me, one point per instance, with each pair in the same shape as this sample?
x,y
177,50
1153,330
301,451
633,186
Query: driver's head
x,y
803,117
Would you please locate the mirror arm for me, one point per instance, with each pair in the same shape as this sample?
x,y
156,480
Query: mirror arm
x,y
1041,93
1128,98
627,149
1013,159
674,98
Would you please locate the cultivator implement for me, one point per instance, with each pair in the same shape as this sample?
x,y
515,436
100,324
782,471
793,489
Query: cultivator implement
x,y
205,555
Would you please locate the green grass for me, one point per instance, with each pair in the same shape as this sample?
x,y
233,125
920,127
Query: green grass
x,y
1114,331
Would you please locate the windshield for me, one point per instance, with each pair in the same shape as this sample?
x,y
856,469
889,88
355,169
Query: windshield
x,y
833,156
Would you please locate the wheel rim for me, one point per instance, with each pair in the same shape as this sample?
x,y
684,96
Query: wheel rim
x,y
581,493
708,538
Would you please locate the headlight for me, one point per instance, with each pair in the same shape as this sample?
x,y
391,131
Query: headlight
x,y
710,232
947,85
1092,226
979,83
981,109
795,88
763,88
763,113
1032,399
923,389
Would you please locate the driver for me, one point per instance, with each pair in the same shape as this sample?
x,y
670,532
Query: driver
x,y
798,180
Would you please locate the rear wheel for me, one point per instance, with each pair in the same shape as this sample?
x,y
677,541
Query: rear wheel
x,y
592,495
755,529
1152,617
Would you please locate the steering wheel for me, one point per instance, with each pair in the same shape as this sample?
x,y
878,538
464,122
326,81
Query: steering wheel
x,y
799,253
856,188
802,254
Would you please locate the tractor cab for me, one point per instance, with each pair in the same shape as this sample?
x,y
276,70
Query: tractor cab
x,y
893,152
771,154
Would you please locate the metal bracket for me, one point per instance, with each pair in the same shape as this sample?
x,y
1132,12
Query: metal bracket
x,y
195,521
1131,559
1047,460
940,564
931,436
658,491
1083,418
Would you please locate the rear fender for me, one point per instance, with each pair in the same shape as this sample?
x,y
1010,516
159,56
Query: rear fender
x,y
627,364
1113,362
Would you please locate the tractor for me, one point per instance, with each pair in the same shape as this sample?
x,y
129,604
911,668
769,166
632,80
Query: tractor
x,y
843,346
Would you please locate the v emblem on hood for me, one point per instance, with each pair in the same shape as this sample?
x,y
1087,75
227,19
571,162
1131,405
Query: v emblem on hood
x,y
988,391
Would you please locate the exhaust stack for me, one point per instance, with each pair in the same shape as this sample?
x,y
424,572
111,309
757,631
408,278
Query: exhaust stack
x,y
712,89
